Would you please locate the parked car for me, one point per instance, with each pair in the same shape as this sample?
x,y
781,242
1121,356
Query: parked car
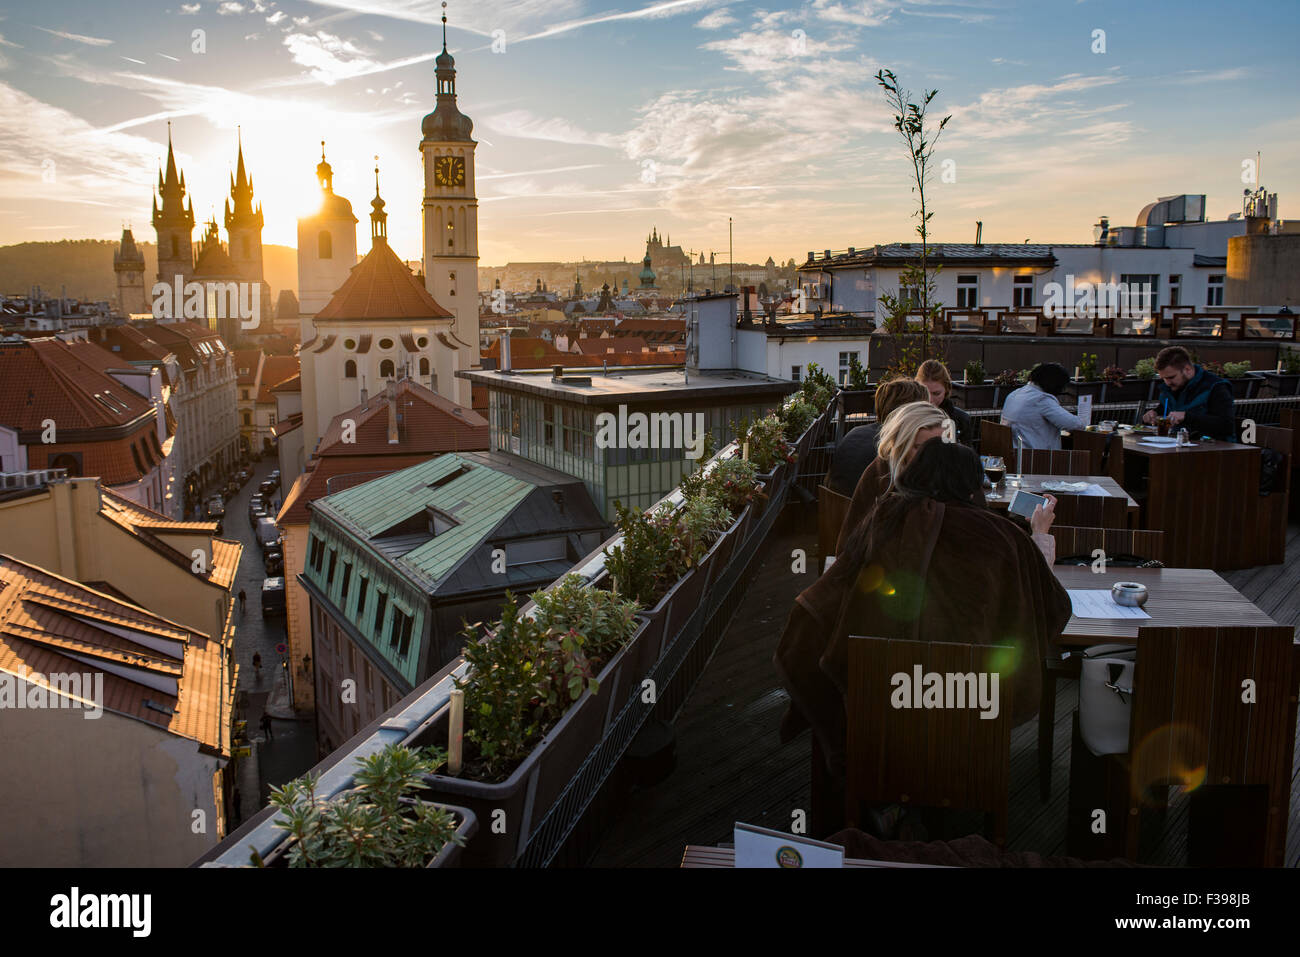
x,y
269,487
243,476
274,561
232,488
275,477
216,507
273,597
267,534
256,513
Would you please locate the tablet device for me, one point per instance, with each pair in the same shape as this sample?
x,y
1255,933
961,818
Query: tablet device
x,y
1023,503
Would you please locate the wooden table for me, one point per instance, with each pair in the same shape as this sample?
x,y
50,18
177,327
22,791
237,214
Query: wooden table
x,y
1001,499
1202,497
699,856
1182,597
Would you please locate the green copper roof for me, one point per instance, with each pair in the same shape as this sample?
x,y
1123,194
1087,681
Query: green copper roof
x,y
392,514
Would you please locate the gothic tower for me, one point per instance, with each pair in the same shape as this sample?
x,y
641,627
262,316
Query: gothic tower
x,y
244,223
451,220
173,222
128,264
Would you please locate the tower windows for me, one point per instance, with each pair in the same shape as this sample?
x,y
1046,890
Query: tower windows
x,y
424,365
350,369
324,245
451,233
386,369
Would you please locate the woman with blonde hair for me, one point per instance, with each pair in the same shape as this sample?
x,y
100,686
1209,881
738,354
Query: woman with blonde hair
x,y
907,429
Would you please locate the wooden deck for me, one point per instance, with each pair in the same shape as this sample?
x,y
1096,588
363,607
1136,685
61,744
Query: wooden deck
x,y
731,766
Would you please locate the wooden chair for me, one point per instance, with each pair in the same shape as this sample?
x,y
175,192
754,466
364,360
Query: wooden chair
x,y
1271,511
945,757
1092,511
995,439
1051,462
1105,452
1074,541
1291,420
831,509
1190,727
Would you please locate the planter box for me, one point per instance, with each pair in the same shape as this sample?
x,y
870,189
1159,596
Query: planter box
x,y
1282,383
528,794
449,856
1132,389
859,401
1094,388
1247,386
982,396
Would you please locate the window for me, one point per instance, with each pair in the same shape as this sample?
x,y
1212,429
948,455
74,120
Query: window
x,y
968,292
424,365
381,606
1175,289
245,393
362,584
1022,292
1214,291
317,553
910,295
795,372
329,575
248,418
400,637
324,245
385,343
386,369
347,580
548,424
845,359
350,369
1140,291
272,418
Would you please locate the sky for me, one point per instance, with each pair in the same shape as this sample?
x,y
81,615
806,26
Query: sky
x,y
599,119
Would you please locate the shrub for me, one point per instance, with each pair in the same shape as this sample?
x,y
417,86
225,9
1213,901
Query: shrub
x,y
974,372
604,619
818,387
1023,376
1113,374
1290,361
1214,368
1145,368
766,440
1236,370
797,415
1005,377
701,522
732,482
648,562
379,823
1088,367
857,374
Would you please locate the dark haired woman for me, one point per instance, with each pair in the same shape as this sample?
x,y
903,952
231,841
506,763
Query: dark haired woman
x,y
1034,410
931,562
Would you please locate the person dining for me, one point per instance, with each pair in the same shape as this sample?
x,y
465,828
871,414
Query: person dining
x,y
933,374
1194,399
908,428
857,449
907,572
1034,411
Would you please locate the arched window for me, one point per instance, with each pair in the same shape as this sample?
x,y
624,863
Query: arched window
x,y
424,365
324,245
386,369
350,369
66,461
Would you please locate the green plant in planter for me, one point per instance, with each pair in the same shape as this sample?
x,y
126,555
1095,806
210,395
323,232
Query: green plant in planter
x,y
974,372
1290,360
733,482
1005,377
1023,376
857,374
604,619
1236,370
766,440
1215,368
521,680
701,522
1113,374
1088,367
818,387
692,485
651,557
1145,368
797,415
379,823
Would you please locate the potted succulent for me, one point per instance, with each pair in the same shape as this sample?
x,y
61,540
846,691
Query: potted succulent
x,y
1286,379
381,821
974,391
534,708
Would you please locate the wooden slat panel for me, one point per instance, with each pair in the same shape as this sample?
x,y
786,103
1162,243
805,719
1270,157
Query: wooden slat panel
x,y
1077,541
995,439
1232,728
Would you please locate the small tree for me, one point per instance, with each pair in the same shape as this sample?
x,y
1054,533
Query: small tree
x,y
910,121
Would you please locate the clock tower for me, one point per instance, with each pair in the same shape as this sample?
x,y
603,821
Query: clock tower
x,y
451,227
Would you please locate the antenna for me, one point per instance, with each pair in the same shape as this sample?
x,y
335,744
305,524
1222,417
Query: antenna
x,y
444,26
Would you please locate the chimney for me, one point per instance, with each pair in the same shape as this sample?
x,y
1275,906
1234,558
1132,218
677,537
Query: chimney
x,y
557,372
363,390
505,350
390,393
979,232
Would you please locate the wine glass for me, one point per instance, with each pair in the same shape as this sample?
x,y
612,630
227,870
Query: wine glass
x,y
995,470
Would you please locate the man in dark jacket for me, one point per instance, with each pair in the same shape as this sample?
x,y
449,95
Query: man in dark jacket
x,y
1197,400
934,375
857,449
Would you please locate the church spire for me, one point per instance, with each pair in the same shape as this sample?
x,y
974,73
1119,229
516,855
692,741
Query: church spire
x,y
240,212
324,172
378,218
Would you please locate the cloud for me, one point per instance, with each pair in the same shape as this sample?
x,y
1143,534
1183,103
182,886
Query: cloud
x,y
189,9
89,41
230,8
1208,76
760,51
716,19
329,58
8,43
527,125
276,17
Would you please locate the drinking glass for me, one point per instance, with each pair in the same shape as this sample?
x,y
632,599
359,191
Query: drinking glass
x,y
995,470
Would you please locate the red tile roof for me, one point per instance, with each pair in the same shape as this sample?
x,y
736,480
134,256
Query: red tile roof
x,y
275,370
44,379
430,424
247,359
600,347
524,347
291,384
172,677
382,287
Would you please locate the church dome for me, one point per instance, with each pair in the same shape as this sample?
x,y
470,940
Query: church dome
x,y
335,206
447,124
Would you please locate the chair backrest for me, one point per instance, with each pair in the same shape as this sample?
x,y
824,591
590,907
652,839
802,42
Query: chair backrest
x,y
1101,459
1077,540
1092,511
1194,722
995,439
831,509
1055,462
933,757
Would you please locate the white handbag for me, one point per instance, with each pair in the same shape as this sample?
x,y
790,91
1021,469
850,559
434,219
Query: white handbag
x,y
1106,697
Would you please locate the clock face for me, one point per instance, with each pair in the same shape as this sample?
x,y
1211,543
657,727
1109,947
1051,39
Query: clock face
x,y
449,171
